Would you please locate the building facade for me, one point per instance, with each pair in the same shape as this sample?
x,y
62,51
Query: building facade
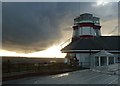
x,y
87,42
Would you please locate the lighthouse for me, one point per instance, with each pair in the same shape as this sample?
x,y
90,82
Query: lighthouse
x,y
88,47
86,26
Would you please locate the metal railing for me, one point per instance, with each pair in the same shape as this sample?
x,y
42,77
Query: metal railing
x,y
65,43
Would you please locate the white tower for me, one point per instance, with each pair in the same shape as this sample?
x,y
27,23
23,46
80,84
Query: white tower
x,y
86,26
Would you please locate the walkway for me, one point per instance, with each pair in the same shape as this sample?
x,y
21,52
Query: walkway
x,y
77,77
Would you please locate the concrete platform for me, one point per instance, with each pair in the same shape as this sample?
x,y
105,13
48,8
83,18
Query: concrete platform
x,y
87,76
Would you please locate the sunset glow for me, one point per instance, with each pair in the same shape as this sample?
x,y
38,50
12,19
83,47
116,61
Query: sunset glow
x,y
53,51
9,53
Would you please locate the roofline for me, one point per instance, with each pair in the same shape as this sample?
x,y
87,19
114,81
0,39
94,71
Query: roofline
x,y
81,51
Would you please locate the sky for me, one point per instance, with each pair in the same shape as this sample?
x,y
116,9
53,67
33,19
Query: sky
x,y
29,27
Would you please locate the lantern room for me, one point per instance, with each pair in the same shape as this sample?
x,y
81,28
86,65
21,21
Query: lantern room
x,y
85,26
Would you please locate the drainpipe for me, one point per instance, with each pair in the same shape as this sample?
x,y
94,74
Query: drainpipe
x,y
99,61
107,60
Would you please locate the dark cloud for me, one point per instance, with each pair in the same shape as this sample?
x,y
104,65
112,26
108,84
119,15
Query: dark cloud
x,y
36,26
25,24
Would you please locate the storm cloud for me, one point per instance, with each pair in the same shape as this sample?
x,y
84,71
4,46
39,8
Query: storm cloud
x,y
36,26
